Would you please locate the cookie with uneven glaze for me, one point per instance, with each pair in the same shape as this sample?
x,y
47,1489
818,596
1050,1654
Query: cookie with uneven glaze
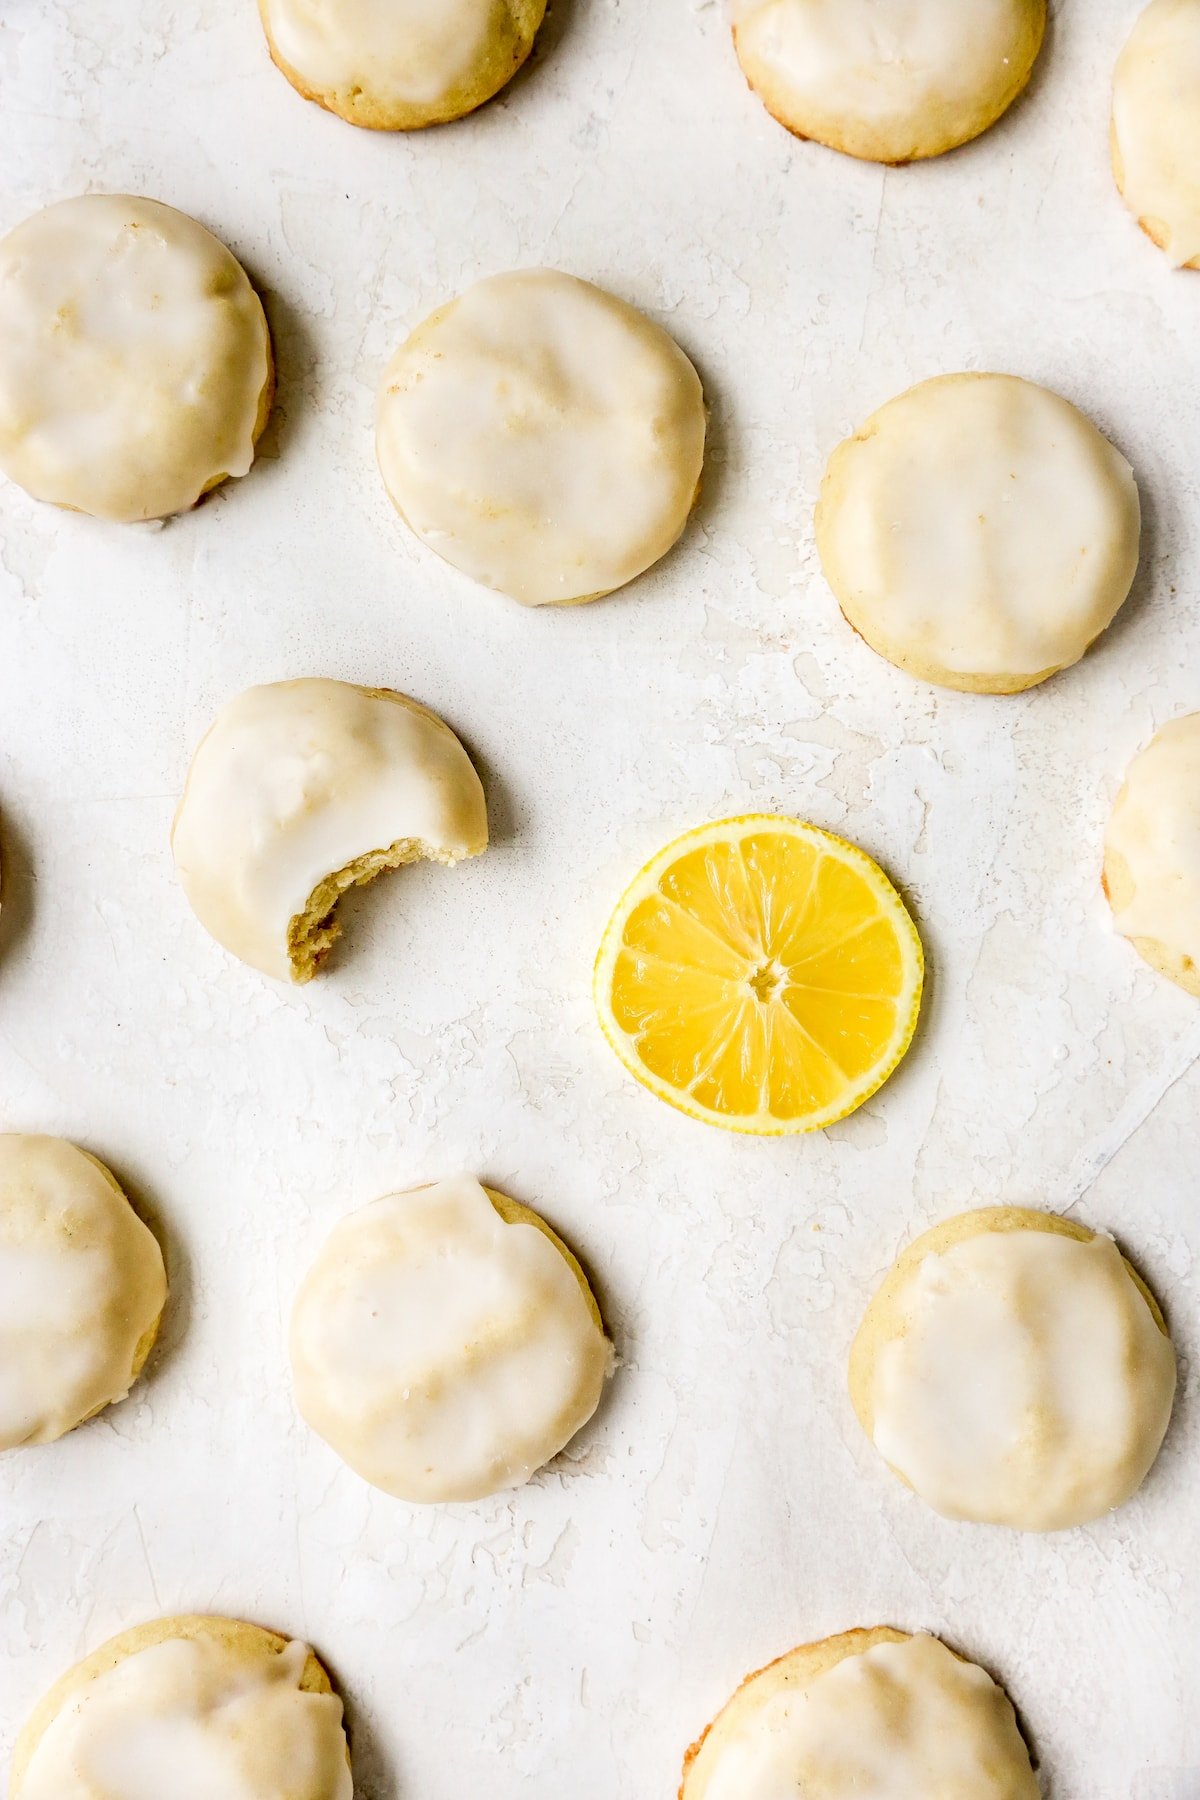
x,y
867,1715
979,532
1013,1369
890,81
249,1714
135,362
542,436
399,65
446,1343
303,789
82,1289
1156,127
1152,853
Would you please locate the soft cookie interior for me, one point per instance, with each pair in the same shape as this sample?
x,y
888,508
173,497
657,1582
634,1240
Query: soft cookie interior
x,y
312,933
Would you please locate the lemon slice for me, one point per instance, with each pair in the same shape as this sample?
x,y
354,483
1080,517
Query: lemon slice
x,y
760,974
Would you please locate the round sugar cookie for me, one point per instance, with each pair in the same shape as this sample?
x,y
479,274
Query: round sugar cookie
x,y
396,65
135,360
82,1289
219,1706
446,1343
979,532
888,80
865,1714
1152,853
1156,127
1013,1369
542,436
303,789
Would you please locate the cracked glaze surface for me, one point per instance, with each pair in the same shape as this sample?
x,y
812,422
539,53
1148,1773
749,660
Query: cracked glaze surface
x,y
723,1505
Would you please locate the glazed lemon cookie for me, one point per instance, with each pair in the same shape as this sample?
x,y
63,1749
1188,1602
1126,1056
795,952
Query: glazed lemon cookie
x,y
222,1707
302,789
1013,1369
979,532
542,436
1152,853
446,1343
761,975
82,1289
888,80
869,1715
135,360
395,65
1156,127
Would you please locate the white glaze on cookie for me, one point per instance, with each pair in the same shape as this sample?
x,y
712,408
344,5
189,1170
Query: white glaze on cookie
x,y
414,50
442,1352
979,531
188,1719
81,1284
896,1721
1155,832
1025,1381
542,436
135,361
887,79
1156,125
298,779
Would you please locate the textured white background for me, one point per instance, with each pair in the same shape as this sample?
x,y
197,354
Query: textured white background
x,y
572,1637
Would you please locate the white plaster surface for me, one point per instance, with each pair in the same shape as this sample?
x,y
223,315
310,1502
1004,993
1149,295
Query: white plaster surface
x,y
570,1638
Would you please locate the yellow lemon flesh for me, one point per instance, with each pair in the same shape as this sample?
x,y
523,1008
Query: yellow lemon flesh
x,y
762,975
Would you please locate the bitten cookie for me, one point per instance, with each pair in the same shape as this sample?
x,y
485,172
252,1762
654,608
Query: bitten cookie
x,y
1152,853
303,789
868,1713
82,1289
1014,1370
246,1713
1156,127
446,1343
888,80
135,360
542,436
979,532
396,65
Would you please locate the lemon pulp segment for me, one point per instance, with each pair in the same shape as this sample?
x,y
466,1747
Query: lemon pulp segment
x,y
761,974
